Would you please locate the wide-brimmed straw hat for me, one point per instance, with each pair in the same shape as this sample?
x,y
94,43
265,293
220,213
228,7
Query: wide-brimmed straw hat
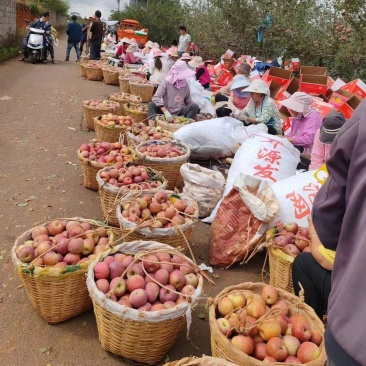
x,y
126,40
186,56
156,52
240,81
258,86
299,102
196,62
332,123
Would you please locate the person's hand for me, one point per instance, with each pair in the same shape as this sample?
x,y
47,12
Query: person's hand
x,y
290,139
168,116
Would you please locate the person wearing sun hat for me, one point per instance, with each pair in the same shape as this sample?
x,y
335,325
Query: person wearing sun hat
x,y
172,56
160,68
239,97
324,138
121,50
202,73
148,47
305,122
173,96
130,57
261,108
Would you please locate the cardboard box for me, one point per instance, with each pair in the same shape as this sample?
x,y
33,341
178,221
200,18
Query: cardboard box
x,y
338,98
291,87
210,62
338,83
313,70
282,76
265,77
228,54
236,64
349,107
322,106
274,88
227,63
313,84
215,87
218,68
223,78
211,70
286,126
357,87
295,64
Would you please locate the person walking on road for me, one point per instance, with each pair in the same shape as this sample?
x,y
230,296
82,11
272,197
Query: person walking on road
x,y
74,33
96,38
84,31
184,41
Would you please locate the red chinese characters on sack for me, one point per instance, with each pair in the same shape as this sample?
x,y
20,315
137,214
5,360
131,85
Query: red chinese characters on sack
x,y
271,157
302,208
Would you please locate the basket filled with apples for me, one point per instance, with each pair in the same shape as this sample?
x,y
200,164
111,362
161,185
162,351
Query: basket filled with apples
x,y
124,81
162,216
139,132
95,108
111,74
109,127
284,244
204,361
164,156
175,125
52,260
93,71
140,301
253,324
143,88
97,155
123,98
116,180
137,111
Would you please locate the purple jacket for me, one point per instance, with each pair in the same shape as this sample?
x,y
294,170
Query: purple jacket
x,y
303,130
339,216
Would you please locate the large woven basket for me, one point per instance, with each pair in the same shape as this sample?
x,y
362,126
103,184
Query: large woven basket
x,y
204,361
145,91
133,140
280,269
123,98
89,112
169,167
111,74
172,127
222,347
138,116
90,170
176,237
124,83
108,133
93,73
57,294
82,70
140,336
111,195
84,59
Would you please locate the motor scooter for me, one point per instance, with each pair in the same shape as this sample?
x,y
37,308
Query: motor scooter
x,y
35,48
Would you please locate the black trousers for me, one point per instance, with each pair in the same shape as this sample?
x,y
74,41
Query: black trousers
x,y
190,111
304,163
95,50
221,98
315,280
82,42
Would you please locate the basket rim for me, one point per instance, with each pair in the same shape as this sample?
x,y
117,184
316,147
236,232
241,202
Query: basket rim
x,y
120,99
162,120
127,106
115,127
143,85
116,104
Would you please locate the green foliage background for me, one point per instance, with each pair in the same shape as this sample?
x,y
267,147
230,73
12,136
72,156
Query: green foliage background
x,y
330,33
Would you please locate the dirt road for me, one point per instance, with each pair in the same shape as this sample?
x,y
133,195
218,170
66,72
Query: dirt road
x,y
40,110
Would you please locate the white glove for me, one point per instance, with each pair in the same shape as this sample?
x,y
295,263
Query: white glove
x,y
168,116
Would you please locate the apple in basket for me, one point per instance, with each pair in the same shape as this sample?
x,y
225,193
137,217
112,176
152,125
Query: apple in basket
x,y
162,150
132,177
268,339
153,289
100,104
62,243
149,133
112,120
105,152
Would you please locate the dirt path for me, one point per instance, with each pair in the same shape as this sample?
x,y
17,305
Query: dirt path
x,y
40,110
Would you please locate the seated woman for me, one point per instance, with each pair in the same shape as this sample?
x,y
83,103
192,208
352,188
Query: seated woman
x,y
261,108
222,95
148,47
130,57
172,56
324,138
202,73
314,270
239,97
121,50
160,68
173,96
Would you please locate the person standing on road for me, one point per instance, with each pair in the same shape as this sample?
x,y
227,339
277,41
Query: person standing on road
x,y
184,41
96,37
84,31
74,33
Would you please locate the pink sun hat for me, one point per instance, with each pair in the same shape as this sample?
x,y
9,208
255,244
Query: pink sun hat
x,y
179,71
156,52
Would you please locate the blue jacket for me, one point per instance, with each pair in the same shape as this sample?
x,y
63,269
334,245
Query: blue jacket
x,y
74,32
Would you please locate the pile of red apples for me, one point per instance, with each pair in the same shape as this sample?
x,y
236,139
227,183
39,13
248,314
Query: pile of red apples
x,y
163,149
112,120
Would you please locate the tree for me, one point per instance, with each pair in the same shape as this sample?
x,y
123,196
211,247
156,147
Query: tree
x,y
59,6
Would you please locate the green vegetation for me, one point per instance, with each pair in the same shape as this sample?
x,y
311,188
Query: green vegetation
x,y
60,6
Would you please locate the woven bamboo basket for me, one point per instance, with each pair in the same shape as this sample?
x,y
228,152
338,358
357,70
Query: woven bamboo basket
x,y
82,69
133,140
222,347
111,74
204,361
93,73
123,98
84,59
91,168
124,84
176,237
169,167
138,116
89,112
110,195
57,294
172,127
141,336
145,91
108,133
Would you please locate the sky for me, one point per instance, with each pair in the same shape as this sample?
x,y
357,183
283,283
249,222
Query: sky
x,y
88,7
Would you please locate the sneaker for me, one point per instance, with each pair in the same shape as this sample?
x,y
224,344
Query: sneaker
x,y
67,59
54,62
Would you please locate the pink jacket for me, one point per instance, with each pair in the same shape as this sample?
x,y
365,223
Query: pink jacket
x,y
320,153
205,77
303,130
130,58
